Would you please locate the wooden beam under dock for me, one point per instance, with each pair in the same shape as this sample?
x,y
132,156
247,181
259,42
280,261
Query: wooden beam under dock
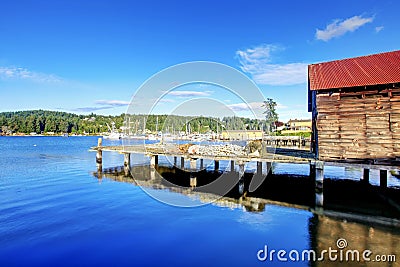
x,y
216,165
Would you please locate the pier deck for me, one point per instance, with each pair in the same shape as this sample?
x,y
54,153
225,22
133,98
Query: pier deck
x,y
283,155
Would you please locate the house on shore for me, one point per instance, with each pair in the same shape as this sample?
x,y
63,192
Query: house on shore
x,y
294,126
355,105
242,135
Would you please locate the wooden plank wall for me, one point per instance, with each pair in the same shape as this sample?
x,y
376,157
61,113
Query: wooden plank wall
x,y
355,125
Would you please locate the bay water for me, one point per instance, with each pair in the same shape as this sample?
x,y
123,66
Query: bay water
x,y
54,212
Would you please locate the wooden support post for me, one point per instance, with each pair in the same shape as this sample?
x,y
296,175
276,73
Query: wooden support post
x,y
99,155
154,161
193,164
127,163
241,178
232,165
152,174
201,164
175,161
312,170
216,165
182,162
383,178
365,176
241,169
319,183
127,159
193,181
259,167
269,167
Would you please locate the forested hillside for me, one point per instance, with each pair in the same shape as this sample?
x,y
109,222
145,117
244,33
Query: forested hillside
x,y
42,121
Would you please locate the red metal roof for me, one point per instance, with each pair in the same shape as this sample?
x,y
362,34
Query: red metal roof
x,y
375,69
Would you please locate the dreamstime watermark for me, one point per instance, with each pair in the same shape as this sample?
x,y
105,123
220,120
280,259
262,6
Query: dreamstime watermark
x,y
339,253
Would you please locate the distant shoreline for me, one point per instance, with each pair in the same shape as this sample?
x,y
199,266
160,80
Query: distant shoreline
x,y
43,135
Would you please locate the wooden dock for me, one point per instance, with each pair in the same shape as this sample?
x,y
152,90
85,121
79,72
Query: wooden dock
x,y
264,161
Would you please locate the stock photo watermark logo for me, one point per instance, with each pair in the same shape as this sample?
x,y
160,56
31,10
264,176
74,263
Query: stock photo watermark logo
x,y
339,253
196,90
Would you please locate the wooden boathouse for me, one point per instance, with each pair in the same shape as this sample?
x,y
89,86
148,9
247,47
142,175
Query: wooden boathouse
x,y
355,105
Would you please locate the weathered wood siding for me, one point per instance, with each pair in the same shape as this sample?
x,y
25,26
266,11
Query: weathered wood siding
x,y
358,125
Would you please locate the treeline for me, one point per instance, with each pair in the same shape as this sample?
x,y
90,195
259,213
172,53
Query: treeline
x,y
42,121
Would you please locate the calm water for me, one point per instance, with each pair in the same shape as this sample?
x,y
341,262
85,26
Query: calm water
x,y
53,212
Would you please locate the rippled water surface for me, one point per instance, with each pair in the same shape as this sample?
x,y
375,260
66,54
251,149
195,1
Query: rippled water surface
x,y
54,212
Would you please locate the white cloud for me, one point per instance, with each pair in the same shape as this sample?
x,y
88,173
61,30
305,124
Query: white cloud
x,y
256,61
90,109
165,100
255,106
112,102
280,106
16,73
378,29
339,27
103,104
189,93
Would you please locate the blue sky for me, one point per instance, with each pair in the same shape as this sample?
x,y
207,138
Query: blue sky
x,y
91,56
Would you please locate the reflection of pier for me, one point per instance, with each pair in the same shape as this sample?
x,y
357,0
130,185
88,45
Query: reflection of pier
x,y
263,160
350,200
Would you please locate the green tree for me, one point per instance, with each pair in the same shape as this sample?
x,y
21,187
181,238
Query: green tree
x,y
271,116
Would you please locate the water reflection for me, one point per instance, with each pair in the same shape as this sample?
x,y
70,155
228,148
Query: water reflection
x,y
325,231
345,196
353,211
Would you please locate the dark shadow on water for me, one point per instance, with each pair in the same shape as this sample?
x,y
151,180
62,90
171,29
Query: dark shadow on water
x,y
346,196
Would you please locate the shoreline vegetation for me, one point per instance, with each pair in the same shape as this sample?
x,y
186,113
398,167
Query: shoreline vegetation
x,y
56,123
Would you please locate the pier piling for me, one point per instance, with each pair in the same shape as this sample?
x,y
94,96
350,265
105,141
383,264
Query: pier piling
x,y
259,167
127,163
241,178
216,165
269,167
383,178
232,165
127,159
99,155
154,161
182,163
201,164
241,169
312,170
193,164
152,174
193,181
319,183
365,176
